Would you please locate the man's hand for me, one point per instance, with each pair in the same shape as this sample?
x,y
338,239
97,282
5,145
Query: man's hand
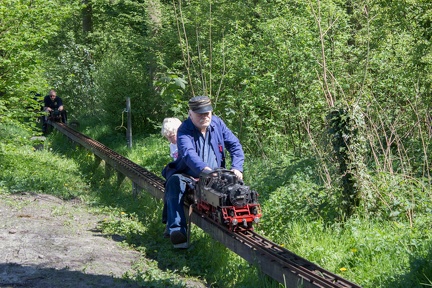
x,y
205,169
238,174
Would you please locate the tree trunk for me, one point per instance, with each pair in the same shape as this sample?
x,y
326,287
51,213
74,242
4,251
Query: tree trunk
x,y
87,14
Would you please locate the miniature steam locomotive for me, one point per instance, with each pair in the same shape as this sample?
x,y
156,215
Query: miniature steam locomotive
x,y
221,196
57,116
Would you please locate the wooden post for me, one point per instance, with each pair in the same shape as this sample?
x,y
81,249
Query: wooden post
x,y
97,161
129,123
136,190
120,178
108,170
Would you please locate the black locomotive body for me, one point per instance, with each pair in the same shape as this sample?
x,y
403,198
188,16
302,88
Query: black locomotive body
x,y
224,198
53,116
57,116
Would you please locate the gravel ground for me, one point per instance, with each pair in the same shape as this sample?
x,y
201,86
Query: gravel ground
x,y
47,242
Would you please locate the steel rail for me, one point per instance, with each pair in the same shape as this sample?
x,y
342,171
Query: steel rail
x,y
275,261
279,263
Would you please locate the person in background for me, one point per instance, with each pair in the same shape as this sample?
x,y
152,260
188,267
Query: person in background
x,y
169,131
51,103
201,140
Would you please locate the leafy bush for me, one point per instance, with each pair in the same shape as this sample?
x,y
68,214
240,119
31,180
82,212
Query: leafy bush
x,y
397,197
119,78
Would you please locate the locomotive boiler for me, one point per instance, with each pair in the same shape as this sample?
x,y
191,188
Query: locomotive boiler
x,y
220,195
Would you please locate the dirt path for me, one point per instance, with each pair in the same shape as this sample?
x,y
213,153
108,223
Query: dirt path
x,y
47,242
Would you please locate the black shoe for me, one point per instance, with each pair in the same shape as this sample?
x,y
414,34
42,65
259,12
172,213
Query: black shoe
x,y
179,240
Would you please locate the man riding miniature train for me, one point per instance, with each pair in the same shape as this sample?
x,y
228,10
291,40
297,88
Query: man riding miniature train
x,y
201,142
53,104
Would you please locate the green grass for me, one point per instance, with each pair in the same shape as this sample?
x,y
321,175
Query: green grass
x,y
375,248
371,253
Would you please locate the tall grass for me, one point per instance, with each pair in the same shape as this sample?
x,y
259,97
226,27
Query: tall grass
x,y
69,171
375,248
387,246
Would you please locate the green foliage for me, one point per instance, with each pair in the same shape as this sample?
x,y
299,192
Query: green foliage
x,y
274,69
398,198
294,200
392,228
124,224
116,80
11,135
171,90
75,85
152,152
23,168
355,249
131,62
289,188
345,133
26,29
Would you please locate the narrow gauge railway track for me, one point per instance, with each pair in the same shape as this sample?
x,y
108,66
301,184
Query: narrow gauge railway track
x,y
139,175
277,262
290,262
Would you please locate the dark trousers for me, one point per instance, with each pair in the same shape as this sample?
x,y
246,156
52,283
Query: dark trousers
x,y
175,190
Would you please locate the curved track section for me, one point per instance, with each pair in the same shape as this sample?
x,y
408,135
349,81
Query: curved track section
x,y
277,262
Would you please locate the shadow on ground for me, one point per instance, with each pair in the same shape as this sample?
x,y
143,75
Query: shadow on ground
x,y
31,276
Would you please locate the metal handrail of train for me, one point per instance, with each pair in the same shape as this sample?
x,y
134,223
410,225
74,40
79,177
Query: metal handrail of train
x,y
277,262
